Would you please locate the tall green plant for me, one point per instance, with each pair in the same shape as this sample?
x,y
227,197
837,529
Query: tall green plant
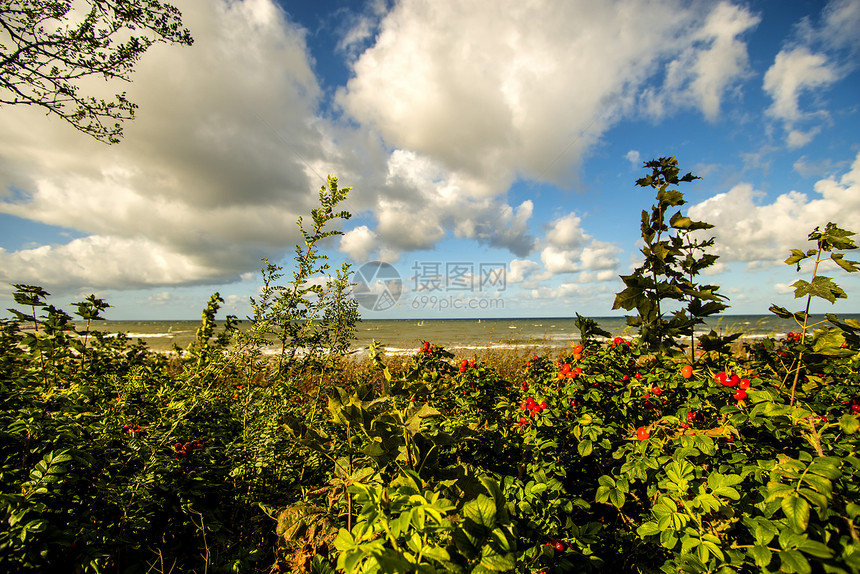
x,y
314,315
674,257
826,342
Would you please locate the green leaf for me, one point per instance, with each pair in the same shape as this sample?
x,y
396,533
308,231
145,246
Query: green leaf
x,y
847,265
849,423
762,555
585,447
796,256
648,529
796,510
815,548
481,511
616,497
794,562
497,562
821,286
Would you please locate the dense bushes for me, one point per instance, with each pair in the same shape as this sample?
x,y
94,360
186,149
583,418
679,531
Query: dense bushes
x,y
623,455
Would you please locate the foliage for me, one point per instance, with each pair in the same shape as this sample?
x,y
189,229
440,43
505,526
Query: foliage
x,y
672,262
311,320
827,342
615,457
54,45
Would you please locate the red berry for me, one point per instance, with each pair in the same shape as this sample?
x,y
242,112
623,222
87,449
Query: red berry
x,y
617,340
687,371
734,380
691,416
523,421
740,395
642,433
855,408
744,384
559,546
657,391
524,386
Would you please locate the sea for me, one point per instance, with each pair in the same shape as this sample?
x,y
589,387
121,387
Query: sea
x,y
461,336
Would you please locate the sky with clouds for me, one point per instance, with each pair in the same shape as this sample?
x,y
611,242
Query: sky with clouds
x,y
493,147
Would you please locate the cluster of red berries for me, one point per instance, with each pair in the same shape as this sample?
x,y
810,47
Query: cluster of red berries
x,y
557,544
569,373
734,381
427,349
533,407
656,391
131,429
184,450
793,337
617,341
466,364
691,417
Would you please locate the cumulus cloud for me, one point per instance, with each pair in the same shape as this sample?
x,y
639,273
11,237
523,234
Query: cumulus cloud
x,y
209,177
358,243
519,270
468,84
792,73
449,103
707,67
820,55
762,234
568,249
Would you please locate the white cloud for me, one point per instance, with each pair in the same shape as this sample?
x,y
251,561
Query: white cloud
x,y
468,84
98,262
818,57
520,270
358,243
793,72
762,234
635,158
707,67
568,249
211,172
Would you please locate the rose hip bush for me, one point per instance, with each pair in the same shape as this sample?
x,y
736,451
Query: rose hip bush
x,y
627,454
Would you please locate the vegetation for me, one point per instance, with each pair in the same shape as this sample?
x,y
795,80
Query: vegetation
x,y
51,47
621,455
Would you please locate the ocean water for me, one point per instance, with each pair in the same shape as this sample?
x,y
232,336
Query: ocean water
x,y
460,336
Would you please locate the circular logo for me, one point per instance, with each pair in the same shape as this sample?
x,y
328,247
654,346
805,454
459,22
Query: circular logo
x,y
377,286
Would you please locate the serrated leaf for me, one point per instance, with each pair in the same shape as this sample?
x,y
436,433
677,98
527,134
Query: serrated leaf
x,y
815,548
821,286
846,264
849,423
648,529
794,562
796,256
585,447
762,555
796,510
616,497
481,511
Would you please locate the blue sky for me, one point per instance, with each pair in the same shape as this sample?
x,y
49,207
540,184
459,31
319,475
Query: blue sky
x,y
488,135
